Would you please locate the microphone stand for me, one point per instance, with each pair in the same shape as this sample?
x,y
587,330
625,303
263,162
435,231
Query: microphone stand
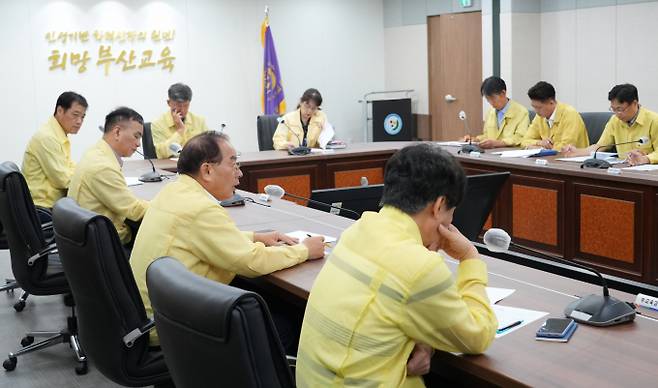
x,y
152,176
300,150
600,163
593,309
324,204
470,147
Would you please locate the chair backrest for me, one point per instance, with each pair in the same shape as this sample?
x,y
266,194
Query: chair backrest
x,y
266,125
595,123
108,302
479,198
210,331
147,143
25,238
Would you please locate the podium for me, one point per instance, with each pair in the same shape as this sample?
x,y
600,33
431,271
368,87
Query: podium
x,y
391,120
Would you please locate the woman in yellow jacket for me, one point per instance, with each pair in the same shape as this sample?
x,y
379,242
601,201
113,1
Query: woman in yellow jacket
x,y
303,126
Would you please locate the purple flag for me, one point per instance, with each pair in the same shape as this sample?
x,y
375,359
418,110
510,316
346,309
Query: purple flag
x,y
273,99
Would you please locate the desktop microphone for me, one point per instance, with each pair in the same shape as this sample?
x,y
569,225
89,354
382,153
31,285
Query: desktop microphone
x,y
470,147
600,163
301,150
152,176
593,309
175,148
278,192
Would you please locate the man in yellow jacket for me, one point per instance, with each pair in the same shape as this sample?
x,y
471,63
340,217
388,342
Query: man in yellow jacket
x,y
186,221
556,124
98,183
507,120
397,298
630,122
47,163
178,124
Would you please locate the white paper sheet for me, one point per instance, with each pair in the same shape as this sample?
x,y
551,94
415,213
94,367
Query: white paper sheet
x,y
133,181
508,315
326,134
322,151
517,153
497,294
302,235
451,143
610,157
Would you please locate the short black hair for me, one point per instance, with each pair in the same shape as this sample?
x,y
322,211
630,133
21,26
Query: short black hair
x,y
201,148
623,93
121,114
417,175
179,92
542,91
492,85
66,100
312,95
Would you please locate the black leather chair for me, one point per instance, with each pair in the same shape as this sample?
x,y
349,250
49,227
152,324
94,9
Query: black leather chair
x,y
34,262
112,320
147,143
266,125
213,334
10,284
595,123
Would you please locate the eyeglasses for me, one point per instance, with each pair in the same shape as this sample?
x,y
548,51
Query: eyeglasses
x,y
619,109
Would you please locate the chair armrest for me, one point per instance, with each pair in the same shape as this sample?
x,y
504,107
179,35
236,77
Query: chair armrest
x,y
130,338
51,248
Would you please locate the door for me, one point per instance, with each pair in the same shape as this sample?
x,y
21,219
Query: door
x,y
455,74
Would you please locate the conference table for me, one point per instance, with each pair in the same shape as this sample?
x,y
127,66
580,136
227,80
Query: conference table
x,y
602,357
591,216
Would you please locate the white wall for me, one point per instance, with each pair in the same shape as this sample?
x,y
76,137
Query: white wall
x,y
520,63
583,52
335,46
406,63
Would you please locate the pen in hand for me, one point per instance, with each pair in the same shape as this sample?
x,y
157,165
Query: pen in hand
x,y
326,244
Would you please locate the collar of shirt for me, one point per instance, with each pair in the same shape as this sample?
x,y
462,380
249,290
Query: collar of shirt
x,y
169,120
108,146
634,118
119,158
57,129
405,221
551,119
501,113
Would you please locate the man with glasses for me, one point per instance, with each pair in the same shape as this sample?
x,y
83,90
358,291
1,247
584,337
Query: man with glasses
x,y
556,123
177,125
186,221
630,122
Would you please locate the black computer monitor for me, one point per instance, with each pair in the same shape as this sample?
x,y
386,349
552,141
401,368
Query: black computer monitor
x,y
479,198
358,199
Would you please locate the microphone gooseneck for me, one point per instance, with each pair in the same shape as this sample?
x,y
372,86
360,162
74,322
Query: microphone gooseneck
x,y
300,150
278,192
470,147
152,176
593,309
599,163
